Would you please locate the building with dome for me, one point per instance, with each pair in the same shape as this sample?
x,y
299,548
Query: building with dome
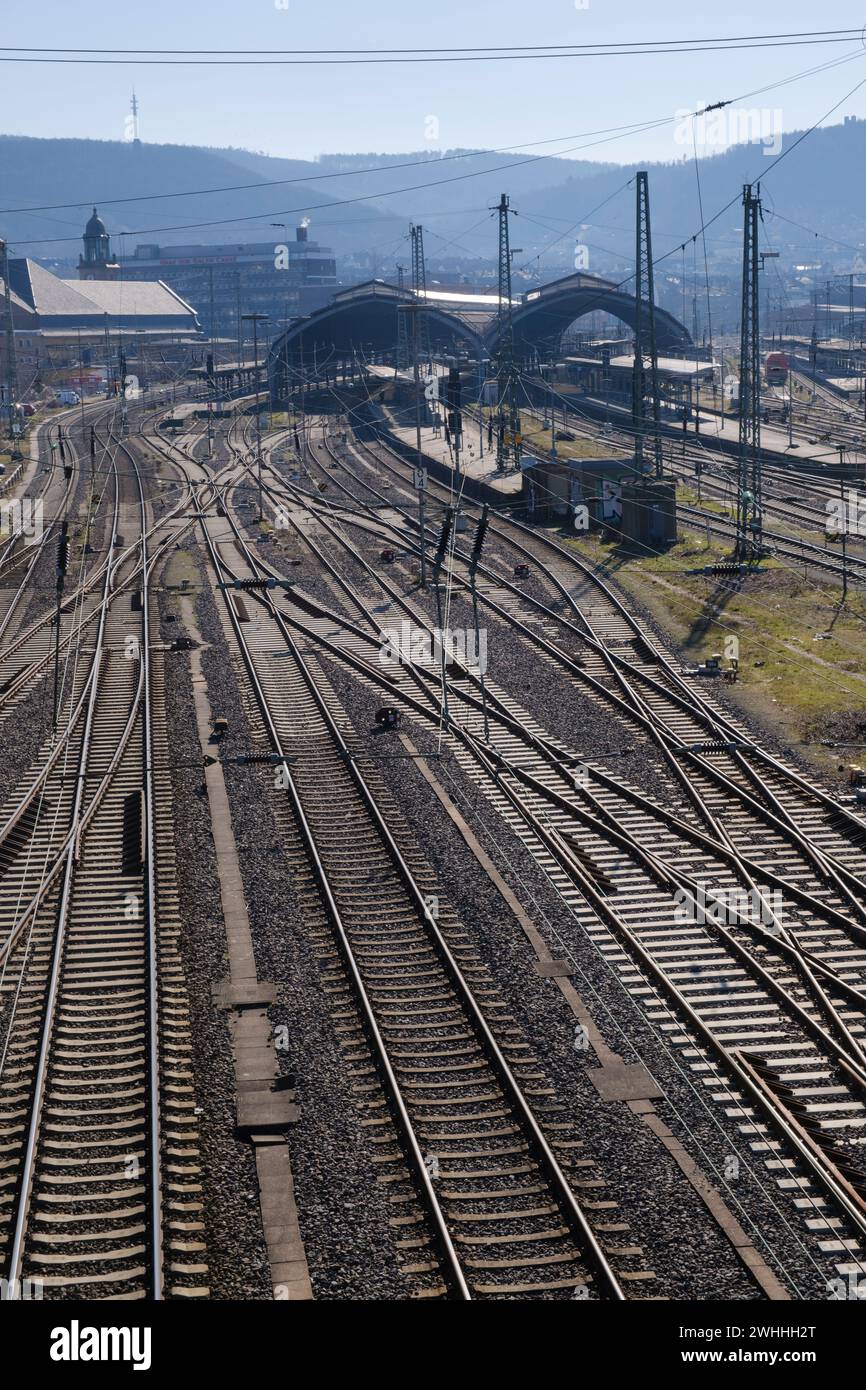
x,y
63,328
96,263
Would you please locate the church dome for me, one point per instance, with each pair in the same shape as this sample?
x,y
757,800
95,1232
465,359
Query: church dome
x,y
96,226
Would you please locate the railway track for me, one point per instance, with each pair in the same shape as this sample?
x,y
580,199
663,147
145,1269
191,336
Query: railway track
x,y
730,1001
99,1176
492,1185
469,1130
718,478
25,659
28,532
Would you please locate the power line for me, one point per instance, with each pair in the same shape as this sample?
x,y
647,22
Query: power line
x,y
769,169
313,207
203,57
612,132
635,127
834,241
441,48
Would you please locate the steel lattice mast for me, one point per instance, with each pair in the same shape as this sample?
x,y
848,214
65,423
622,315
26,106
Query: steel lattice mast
x,y
645,352
508,423
419,286
749,524
402,330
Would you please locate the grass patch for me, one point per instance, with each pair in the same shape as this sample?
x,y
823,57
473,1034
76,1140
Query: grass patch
x,y
689,495
540,441
181,566
801,654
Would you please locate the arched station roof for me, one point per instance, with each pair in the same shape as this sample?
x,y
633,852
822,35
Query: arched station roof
x,y
361,319
544,314
364,318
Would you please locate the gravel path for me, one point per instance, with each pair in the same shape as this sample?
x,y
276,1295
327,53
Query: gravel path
x,y
236,1249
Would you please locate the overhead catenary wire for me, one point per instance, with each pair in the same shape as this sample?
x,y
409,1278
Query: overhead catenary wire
x,y
633,127
488,53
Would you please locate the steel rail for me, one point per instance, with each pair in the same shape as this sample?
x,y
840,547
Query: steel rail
x,y
683,697
560,1183
68,860
556,758
829,1177
670,743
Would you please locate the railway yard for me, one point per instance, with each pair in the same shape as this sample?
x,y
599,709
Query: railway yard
x,y
432,688
341,961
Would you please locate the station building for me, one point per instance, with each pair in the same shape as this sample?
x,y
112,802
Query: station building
x,y
683,381
64,328
283,278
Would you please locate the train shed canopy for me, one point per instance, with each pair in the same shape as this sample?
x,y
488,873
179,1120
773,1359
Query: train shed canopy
x,y
545,313
363,320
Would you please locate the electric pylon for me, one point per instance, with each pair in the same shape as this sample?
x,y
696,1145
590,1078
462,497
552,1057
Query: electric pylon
x,y
402,327
749,523
508,438
645,379
419,286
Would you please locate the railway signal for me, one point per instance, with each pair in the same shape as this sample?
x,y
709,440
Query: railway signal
x,y
441,549
444,538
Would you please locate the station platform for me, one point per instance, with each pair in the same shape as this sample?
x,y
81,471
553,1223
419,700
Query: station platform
x,y
477,468
724,432
774,440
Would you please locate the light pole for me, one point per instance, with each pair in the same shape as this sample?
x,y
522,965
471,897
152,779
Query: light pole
x,y
80,384
256,319
302,451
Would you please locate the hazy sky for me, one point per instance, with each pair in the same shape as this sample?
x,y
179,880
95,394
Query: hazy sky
x,y
305,112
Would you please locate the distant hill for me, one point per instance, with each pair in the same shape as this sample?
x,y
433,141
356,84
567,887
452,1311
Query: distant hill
x,y
818,185
94,171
